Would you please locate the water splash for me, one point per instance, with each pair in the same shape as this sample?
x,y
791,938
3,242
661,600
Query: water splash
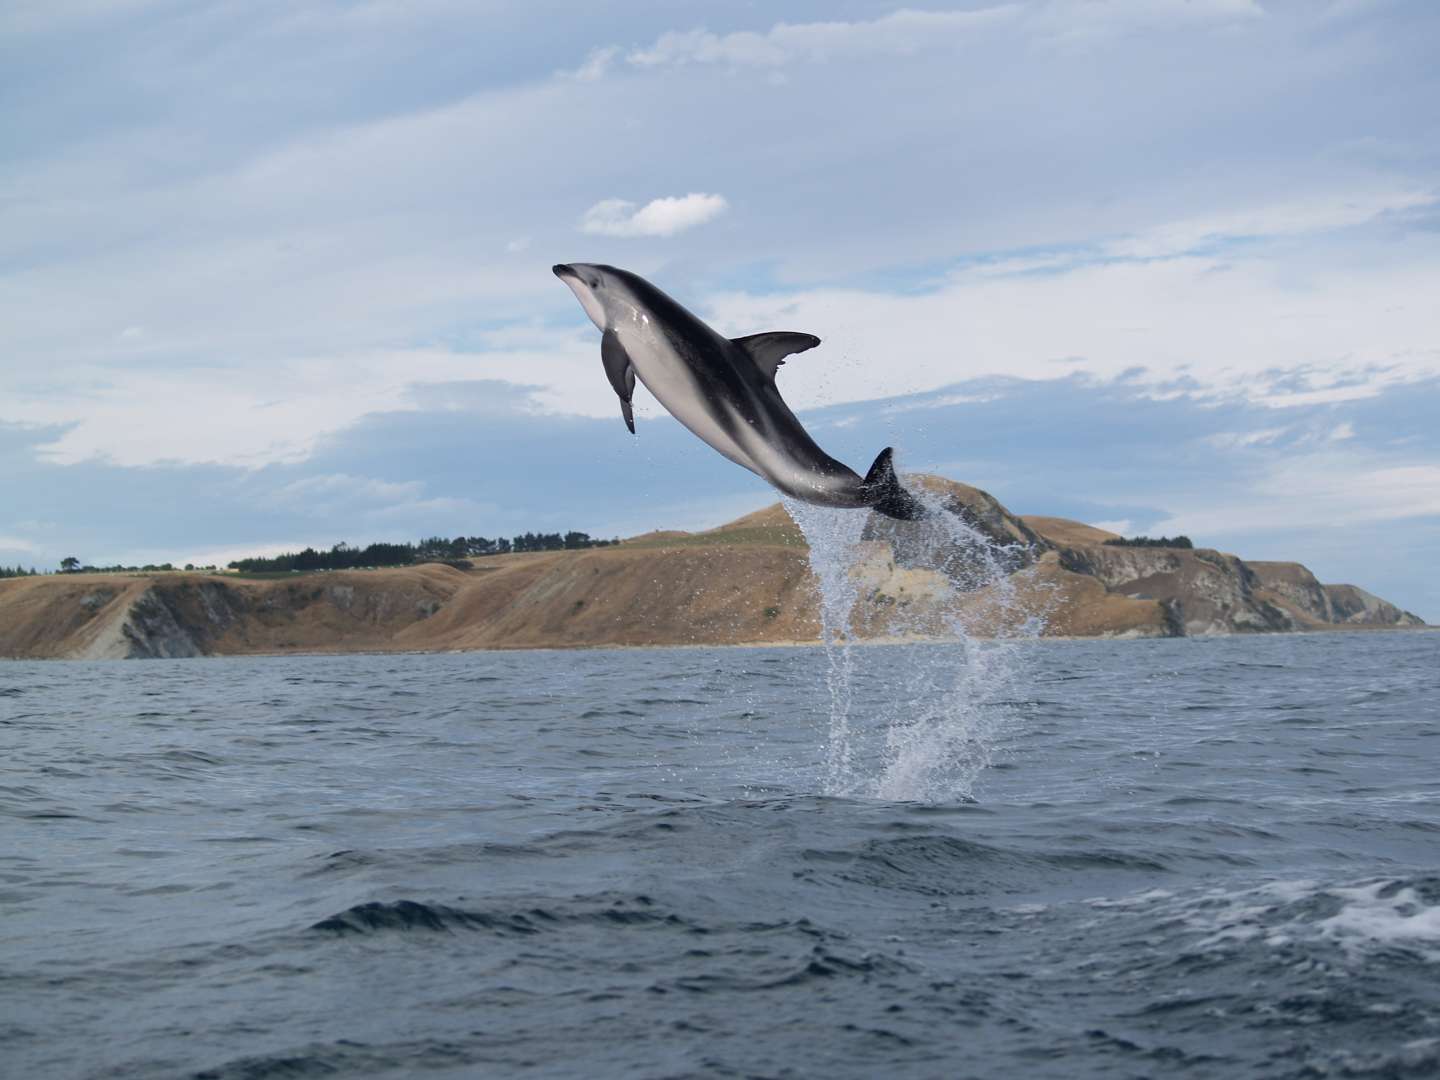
x,y
834,539
913,715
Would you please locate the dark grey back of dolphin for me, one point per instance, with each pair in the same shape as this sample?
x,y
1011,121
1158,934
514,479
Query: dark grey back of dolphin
x,y
723,390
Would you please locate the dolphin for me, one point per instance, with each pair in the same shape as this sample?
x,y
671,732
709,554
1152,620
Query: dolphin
x,y
723,390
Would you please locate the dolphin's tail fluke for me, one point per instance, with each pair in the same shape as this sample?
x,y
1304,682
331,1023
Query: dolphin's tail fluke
x,y
889,498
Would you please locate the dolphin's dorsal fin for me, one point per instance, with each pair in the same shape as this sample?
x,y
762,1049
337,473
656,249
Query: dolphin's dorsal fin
x,y
769,350
620,372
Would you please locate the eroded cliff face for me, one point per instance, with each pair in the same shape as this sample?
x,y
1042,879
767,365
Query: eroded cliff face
x,y
1297,587
1351,605
745,583
1315,606
1201,591
103,617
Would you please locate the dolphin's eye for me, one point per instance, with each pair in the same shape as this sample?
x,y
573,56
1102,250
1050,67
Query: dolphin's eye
x,y
594,283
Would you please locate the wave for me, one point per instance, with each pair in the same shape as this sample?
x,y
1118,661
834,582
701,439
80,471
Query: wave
x,y
1397,918
943,865
376,917
379,916
345,1057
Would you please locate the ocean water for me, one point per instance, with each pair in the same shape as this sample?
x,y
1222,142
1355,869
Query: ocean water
x,y
1206,857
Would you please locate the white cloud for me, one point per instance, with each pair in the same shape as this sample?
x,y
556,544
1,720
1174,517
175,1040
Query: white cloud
x,y
1265,329
909,31
1297,436
940,401
16,543
1321,490
1324,393
143,416
1079,19
1251,326
421,509
660,217
596,65
1318,213
294,274
317,493
1238,440
899,33
342,496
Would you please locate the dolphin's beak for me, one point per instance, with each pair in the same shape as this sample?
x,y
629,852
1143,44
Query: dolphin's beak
x,y
583,292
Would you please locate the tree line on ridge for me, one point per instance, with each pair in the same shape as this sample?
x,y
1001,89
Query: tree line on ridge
x,y
344,556
1151,541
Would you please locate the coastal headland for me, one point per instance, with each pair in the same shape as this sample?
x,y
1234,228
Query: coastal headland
x,y
748,582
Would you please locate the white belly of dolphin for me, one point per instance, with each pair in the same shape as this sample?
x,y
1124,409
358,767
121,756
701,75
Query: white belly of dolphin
x,y
666,375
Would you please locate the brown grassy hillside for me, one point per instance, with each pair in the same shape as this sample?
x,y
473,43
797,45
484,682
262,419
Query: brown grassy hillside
x,y
745,582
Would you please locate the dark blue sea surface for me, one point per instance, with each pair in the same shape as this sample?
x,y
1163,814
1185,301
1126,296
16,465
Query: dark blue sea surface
x,y
1207,857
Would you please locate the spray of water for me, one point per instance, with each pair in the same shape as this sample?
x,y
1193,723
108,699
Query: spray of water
x,y
834,540
939,606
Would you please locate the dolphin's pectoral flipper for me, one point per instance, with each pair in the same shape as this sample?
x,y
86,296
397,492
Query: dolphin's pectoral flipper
x,y
770,349
620,372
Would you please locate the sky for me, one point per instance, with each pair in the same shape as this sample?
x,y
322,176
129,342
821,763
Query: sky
x,y
276,273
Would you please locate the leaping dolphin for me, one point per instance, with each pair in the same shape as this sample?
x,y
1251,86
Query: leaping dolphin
x,y
723,390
